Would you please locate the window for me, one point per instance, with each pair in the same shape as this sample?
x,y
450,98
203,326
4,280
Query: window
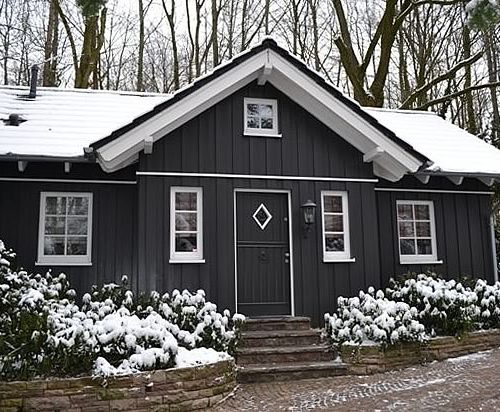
x,y
335,226
261,117
186,234
416,231
65,229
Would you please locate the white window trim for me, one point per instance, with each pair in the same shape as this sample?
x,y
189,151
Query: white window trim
x,y
419,259
80,260
339,257
187,257
248,131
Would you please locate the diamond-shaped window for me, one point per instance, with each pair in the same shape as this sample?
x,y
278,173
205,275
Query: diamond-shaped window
x,y
262,216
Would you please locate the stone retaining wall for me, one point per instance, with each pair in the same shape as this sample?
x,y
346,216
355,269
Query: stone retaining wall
x,y
169,390
368,359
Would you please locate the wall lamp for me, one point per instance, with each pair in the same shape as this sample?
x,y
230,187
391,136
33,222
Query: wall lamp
x,y
309,215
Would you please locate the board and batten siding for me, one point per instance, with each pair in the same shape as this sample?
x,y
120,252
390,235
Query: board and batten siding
x,y
114,218
462,227
214,142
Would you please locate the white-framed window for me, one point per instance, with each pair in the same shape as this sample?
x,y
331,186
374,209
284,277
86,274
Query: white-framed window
x,y
335,223
186,225
261,116
416,231
65,228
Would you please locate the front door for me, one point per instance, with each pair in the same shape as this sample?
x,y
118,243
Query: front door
x,y
263,253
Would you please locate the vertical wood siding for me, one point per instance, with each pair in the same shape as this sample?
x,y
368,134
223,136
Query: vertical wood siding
x,y
462,229
114,229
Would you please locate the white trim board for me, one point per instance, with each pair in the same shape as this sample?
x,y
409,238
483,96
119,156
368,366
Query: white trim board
x,y
290,241
392,163
456,192
105,182
265,177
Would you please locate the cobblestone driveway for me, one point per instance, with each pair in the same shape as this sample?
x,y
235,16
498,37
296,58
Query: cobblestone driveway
x,y
469,383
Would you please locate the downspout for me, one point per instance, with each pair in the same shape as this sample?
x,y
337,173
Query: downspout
x,y
494,244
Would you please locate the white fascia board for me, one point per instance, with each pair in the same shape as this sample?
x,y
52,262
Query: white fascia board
x,y
115,153
313,96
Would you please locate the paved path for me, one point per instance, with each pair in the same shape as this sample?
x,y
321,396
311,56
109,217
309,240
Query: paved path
x,y
469,383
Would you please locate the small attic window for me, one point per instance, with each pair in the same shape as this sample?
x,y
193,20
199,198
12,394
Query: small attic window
x,y
261,117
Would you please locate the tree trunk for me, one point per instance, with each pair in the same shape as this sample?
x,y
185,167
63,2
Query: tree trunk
x,y
215,29
492,77
51,45
140,57
470,117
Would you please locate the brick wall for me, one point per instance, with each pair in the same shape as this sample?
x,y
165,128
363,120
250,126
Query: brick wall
x,y
368,359
165,390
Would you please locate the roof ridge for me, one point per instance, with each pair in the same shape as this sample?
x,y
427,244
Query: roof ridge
x,y
402,111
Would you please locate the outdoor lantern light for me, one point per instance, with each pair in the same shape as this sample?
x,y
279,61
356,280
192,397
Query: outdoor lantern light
x,y
309,211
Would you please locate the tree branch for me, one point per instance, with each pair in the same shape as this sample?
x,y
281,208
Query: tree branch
x,y
456,94
445,76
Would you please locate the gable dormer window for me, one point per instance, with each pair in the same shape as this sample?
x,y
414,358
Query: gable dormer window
x,y
261,117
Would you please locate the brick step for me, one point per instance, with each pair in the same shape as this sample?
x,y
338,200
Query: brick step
x,y
277,323
285,354
280,338
290,371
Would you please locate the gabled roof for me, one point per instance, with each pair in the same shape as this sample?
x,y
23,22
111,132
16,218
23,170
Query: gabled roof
x,y
392,156
61,122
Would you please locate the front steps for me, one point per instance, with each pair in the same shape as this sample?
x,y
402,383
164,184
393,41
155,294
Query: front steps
x,y
284,348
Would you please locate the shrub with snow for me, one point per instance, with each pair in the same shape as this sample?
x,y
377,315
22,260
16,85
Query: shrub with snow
x,y
43,332
415,309
372,317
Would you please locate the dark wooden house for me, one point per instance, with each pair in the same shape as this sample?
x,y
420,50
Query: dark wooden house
x,y
260,183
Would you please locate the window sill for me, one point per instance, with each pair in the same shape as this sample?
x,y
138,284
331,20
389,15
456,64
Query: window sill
x,y
256,134
423,262
63,263
349,260
175,261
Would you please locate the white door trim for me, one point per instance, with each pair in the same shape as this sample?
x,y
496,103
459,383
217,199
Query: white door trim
x,y
290,241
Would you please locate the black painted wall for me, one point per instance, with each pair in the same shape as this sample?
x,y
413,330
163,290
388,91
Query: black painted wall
x,y
114,231
214,143
462,228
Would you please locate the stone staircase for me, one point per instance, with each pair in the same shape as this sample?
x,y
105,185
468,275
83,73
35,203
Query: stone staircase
x,y
284,348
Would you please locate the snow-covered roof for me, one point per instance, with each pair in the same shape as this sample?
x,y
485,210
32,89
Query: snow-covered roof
x,y
451,149
61,122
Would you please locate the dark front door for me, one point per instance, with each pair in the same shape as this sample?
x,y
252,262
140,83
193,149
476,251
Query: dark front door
x,y
263,250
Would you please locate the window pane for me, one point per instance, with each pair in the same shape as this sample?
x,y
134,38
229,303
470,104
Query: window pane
x,y
422,212
253,122
185,221
54,225
407,246
185,242
76,246
405,212
78,206
266,110
185,201
423,229
333,204
266,123
53,245
77,225
334,223
406,229
424,246
55,206
252,109
334,243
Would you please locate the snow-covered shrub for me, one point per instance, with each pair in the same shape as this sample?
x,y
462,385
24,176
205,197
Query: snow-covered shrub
x,y
372,317
488,299
445,307
43,332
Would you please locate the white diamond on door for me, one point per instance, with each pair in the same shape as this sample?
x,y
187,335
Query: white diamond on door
x,y
262,216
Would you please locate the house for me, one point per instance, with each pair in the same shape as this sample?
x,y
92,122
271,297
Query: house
x,y
260,182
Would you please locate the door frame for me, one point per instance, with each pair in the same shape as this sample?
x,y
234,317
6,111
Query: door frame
x,y
290,240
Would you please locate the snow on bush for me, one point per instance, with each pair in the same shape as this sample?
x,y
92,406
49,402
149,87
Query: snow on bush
x,y
372,317
43,332
413,310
